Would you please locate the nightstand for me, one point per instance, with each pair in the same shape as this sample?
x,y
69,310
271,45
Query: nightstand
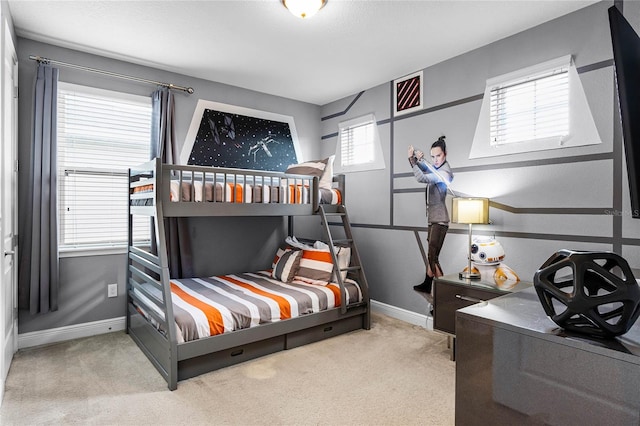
x,y
450,293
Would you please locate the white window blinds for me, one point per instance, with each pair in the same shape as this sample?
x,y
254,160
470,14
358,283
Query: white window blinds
x,y
531,109
358,148
357,143
540,107
100,135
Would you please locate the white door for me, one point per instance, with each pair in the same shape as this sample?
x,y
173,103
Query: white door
x,y
8,205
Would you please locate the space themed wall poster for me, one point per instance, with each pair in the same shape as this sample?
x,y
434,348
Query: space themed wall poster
x,y
224,135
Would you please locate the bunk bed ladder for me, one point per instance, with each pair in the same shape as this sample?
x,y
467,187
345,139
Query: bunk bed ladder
x,y
355,266
149,268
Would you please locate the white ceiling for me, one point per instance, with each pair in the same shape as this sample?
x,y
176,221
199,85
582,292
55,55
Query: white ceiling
x,y
349,46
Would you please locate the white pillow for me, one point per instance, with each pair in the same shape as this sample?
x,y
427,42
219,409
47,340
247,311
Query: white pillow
x,y
326,180
293,242
323,169
344,258
311,168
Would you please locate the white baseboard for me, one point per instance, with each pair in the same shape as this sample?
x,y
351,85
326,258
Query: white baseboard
x,y
60,334
411,317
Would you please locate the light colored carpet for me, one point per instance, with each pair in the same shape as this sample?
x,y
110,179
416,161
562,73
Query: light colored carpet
x,y
393,374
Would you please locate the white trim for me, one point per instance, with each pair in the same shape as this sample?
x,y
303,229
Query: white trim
x,y
411,317
582,127
357,121
91,251
123,96
60,334
529,72
378,157
77,118
202,105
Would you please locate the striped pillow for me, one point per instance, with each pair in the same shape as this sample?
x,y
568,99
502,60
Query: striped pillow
x,y
316,265
286,265
279,253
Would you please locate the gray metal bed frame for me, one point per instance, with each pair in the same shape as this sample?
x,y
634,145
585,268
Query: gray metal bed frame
x,y
178,361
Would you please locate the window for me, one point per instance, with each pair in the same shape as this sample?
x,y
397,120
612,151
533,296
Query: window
x,y
536,108
356,144
100,135
359,145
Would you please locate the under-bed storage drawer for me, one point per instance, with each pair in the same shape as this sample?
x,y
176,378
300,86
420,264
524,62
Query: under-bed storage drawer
x,y
324,331
204,363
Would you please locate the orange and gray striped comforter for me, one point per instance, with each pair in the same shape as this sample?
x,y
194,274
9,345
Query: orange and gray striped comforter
x,y
205,307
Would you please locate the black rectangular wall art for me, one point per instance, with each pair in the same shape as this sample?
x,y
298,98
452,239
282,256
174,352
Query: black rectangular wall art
x,y
229,136
408,94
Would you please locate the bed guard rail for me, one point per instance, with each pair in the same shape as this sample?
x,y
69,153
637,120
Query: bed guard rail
x,y
154,182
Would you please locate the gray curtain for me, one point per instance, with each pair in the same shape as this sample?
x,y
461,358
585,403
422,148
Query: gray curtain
x,y
164,146
38,270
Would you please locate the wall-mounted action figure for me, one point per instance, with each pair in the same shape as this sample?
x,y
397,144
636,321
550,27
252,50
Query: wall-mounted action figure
x,y
437,175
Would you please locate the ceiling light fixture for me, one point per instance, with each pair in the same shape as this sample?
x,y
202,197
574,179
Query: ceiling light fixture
x,y
304,8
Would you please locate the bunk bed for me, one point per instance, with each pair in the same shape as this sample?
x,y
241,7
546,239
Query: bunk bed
x,y
275,312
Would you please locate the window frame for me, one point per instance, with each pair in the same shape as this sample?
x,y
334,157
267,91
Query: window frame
x,y
92,249
582,128
502,93
377,159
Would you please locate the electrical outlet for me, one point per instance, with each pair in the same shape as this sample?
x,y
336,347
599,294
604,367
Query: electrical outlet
x,y
112,290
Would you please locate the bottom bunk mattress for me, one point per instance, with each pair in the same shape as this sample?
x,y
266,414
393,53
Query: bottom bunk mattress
x,y
205,307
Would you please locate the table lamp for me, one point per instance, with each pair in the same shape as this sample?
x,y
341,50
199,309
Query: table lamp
x,y
470,211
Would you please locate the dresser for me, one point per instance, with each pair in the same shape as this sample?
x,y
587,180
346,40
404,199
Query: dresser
x,y
516,366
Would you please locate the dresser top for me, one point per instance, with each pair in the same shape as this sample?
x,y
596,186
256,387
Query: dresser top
x,y
523,313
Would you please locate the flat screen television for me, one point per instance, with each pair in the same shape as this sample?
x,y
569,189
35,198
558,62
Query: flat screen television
x,y
626,58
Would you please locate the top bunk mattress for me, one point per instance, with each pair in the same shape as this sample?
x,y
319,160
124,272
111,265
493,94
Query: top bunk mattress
x,y
185,190
230,192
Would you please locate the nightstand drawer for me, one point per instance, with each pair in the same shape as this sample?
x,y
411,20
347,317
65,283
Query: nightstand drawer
x,y
448,298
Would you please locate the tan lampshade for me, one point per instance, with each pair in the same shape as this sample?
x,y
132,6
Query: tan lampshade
x,y
470,210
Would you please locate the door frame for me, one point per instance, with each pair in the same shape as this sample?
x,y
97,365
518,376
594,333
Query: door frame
x,y
9,121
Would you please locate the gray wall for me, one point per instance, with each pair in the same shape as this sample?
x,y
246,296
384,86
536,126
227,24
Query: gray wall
x,y
564,197
83,280
387,206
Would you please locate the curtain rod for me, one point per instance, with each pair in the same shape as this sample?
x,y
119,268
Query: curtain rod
x,y
111,74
